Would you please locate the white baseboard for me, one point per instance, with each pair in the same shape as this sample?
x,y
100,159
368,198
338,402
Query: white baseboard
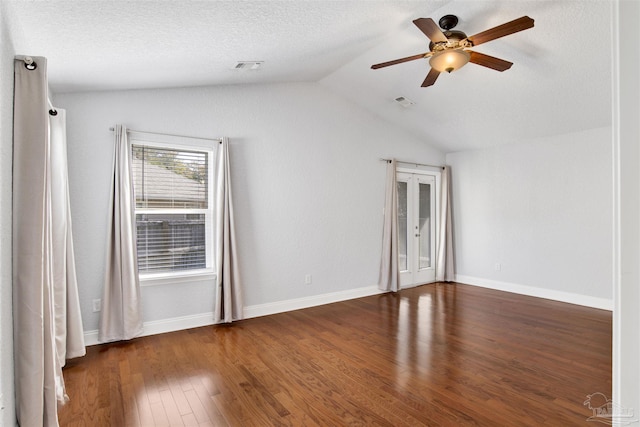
x,y
205,319
306,302
162,326
585,300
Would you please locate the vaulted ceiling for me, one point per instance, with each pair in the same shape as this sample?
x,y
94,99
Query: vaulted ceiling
x,y
560,81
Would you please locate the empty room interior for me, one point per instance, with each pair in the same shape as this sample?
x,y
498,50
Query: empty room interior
x,y
398,213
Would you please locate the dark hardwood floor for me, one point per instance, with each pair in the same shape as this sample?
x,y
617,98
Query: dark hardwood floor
x,y
437,355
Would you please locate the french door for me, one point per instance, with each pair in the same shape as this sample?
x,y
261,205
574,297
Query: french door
x,y
417,227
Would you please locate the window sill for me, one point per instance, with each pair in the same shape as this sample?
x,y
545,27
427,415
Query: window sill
x,y
176,279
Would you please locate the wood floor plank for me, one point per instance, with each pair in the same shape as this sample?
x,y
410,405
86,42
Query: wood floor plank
x,y
142,401
171,409
297,416
189,420
216,415
435,355
197,410
160,418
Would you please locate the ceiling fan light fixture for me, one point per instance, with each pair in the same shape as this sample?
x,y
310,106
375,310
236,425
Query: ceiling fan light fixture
x,y
449,60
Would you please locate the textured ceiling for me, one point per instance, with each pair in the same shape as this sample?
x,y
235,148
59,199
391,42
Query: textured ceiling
x,y
146,44
560,81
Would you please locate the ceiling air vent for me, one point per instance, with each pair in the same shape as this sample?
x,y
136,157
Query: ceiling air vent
x,y
248,65
406,103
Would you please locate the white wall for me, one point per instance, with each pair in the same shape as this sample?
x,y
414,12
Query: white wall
x,y
7,52
308,185
542,210
626,114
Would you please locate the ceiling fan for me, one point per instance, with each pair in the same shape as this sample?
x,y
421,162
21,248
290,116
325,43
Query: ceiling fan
x,y
450,50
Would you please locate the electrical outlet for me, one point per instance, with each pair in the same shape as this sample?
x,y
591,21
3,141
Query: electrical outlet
x,y
497,266
307,279
97,305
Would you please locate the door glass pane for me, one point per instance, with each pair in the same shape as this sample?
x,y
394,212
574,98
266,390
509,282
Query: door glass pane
x,y
402,226
424,219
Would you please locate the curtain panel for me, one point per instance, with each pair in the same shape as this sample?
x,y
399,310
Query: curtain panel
x,y
228,302
46,313
444,259
389,278
68,320
121,315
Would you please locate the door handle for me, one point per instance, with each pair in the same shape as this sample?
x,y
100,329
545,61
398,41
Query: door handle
x,y
418,235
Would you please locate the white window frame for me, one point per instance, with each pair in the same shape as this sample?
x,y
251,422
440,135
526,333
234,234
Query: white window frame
x,y
178,143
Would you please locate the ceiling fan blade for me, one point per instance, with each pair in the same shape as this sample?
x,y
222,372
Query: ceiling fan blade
x,y
399,61
430,29
502,30
431,78
489,61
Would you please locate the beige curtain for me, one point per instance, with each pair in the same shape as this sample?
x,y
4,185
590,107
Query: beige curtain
x,y
389,279
46,314
228,303
444,259
121,315
68,320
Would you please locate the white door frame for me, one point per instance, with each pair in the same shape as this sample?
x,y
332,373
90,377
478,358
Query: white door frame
x,y
415,276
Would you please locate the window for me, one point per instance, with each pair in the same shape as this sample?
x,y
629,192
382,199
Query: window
x,y
174,209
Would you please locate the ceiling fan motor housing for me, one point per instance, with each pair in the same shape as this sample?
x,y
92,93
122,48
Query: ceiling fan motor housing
x,y
448,22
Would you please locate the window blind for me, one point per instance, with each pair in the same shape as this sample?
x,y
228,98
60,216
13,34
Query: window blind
x,y
171,242
168,178
173,211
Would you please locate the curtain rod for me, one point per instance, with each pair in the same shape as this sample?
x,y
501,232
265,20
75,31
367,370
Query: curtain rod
x,y
412,163
170,134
